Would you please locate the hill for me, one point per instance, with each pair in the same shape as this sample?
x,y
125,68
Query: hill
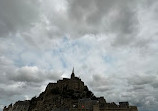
x,y
69,94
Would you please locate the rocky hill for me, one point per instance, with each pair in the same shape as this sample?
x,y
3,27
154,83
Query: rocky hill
x,y
68,94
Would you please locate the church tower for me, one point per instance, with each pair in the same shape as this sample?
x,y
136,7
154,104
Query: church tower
x,y
72,75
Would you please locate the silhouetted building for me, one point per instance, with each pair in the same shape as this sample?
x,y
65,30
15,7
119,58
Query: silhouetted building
x,y
69,94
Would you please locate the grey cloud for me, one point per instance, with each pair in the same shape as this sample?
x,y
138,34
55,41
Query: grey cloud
x,y
137,89
120,16
93,11
24,74
145,102
140,87
4,92
100,83
17,15
125,26
28,74
102,89
86,17
97,80
17,91
142,91
33,74
141,79
6,67
16,83
155,84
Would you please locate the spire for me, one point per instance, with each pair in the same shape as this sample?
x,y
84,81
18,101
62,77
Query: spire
x,y
73,70
72,75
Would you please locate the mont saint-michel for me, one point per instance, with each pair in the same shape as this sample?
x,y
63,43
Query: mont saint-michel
x,y
69,94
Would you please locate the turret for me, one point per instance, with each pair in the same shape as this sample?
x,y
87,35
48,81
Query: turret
x,y
72,75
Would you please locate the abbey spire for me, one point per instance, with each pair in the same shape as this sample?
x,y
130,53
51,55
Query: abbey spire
x,y
72,75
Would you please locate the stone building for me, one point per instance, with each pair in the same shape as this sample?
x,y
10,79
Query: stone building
x,y
74,83
69,94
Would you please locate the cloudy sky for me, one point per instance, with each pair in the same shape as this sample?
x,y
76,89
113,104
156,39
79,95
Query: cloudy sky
x,y
113,45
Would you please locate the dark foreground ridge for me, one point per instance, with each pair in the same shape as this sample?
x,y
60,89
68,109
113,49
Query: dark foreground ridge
x,y
68,95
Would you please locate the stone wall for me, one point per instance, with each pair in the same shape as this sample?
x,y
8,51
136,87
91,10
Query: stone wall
x,y
18,106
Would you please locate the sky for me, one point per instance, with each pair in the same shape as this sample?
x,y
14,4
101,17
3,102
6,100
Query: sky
x,y
112,44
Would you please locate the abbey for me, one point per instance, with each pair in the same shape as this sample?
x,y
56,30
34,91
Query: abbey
x,y
69,94
74,83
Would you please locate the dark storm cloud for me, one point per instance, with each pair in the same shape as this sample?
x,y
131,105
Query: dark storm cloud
x,y
119,16
40,22
44,23
86,17
17,15
125,26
